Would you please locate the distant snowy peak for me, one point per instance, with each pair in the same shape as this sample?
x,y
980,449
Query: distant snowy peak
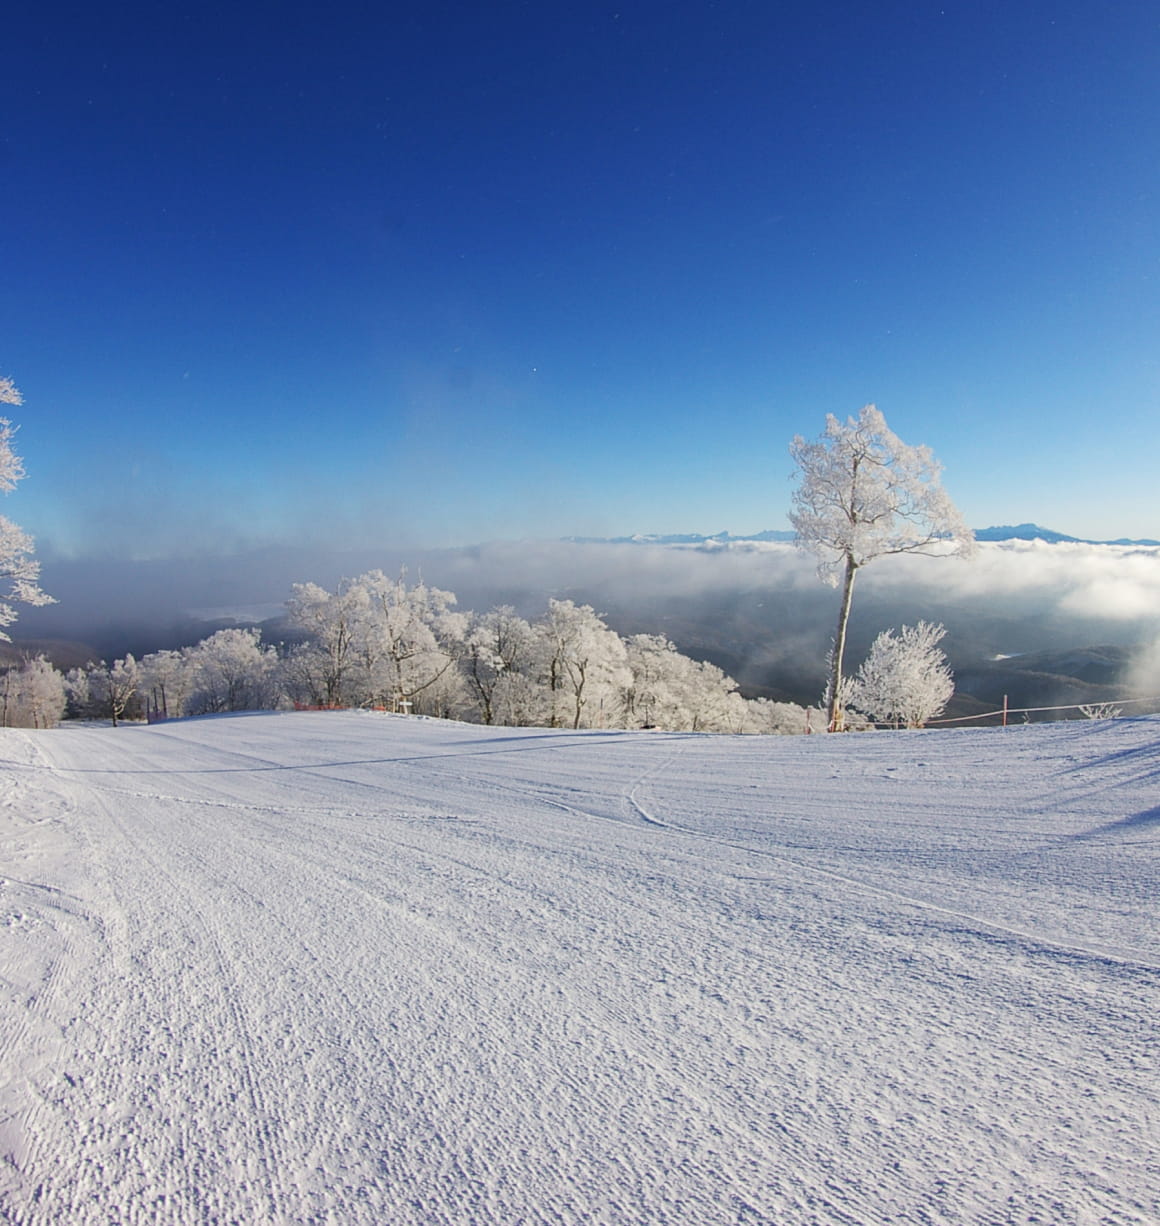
x,y
1033,532
1006,532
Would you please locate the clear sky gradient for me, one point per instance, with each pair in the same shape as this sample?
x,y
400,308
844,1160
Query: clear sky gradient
x,y
446,272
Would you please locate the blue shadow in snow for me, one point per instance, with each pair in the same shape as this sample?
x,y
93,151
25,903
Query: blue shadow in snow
x,y
1144,820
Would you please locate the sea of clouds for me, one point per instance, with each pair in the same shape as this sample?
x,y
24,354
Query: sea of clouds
x,y
1010,597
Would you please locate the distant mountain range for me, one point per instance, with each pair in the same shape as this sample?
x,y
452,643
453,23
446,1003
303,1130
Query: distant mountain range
x,y
1033,532
1006,532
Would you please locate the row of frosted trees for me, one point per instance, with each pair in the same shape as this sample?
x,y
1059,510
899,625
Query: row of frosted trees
x,y
378,642
229,671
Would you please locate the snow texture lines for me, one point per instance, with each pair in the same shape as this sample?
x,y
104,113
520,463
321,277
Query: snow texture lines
x,y
366,969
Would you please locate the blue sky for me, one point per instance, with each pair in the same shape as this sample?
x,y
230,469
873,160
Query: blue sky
x,y
442,273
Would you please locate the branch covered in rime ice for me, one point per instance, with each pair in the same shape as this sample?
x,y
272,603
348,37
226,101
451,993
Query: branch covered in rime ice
x,y
19,571
11,466
9,392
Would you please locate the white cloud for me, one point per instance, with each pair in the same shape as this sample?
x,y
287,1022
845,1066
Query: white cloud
x,y
1097,582
762,600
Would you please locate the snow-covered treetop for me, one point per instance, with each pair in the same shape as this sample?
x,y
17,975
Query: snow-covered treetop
x,y
865,493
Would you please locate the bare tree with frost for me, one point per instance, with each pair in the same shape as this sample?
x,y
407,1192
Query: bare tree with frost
x,y
865,494
333,620
585,665
410,640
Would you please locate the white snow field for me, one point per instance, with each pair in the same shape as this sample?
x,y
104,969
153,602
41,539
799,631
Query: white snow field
x,y
354,968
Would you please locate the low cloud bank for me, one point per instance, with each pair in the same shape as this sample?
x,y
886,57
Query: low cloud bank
x,y
754,607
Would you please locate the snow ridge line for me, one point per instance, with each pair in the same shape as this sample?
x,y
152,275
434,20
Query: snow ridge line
x,y
36,885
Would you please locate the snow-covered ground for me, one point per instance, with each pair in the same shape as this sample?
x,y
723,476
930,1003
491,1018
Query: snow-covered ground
x,y
353,968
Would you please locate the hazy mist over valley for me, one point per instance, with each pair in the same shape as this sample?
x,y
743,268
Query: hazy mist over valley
x,y
1023,617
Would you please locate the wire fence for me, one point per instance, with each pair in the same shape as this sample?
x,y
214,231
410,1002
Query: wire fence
x,y
1103,709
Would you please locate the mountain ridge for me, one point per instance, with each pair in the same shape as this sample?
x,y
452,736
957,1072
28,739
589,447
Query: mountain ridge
x,y
1001,532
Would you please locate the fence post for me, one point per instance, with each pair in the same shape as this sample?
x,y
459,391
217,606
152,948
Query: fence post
x,y
1004,710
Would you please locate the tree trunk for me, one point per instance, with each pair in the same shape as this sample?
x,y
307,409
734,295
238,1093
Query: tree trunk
x,y
836,714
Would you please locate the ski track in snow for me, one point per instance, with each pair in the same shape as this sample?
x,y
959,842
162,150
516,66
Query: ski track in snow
x,y
348,968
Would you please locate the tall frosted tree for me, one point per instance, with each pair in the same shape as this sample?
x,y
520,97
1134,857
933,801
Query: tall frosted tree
x,y
864,494
19,570
106,690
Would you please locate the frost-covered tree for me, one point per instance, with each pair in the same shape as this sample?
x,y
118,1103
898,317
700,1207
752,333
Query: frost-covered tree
x,y
905,680
106,691
333,621
584,665
78,693
304,676
232,671
410,638
42,692
864,494
498,663
648,699
19,570
519,701
166,680
32,694
377,641
669,690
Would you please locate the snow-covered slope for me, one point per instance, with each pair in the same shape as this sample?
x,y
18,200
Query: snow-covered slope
x,y
362,969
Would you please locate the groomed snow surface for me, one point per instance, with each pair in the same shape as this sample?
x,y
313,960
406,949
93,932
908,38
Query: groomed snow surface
x,y
355,968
